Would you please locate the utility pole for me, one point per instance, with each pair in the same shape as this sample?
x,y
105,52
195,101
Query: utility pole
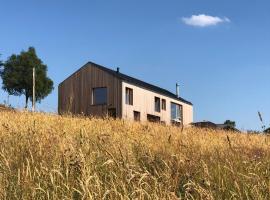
x,y
34,90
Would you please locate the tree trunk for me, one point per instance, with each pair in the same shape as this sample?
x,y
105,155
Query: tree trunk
x,y
26,101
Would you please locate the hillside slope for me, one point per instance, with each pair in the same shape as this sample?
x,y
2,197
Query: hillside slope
x,y
46,156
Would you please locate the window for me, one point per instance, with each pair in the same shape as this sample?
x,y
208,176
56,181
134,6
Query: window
x,y
137,115
157,104
129,96
112,113
99,96
163,104
176,112
153,118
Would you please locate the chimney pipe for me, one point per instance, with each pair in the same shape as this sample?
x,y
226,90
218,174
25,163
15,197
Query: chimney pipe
x,y
177,90
117,69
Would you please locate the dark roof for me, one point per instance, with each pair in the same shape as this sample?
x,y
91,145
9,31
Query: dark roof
x,y
140,83
211,125
204,124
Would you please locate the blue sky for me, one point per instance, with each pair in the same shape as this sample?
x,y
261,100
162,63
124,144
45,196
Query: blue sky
x,y
217,50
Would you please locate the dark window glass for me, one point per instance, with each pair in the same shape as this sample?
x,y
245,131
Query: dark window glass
x,y
129,96
157,104
176,112
163,104
137,116
153,118
99,96
112,113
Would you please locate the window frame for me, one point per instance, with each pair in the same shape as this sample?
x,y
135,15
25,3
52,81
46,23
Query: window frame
x,y
163,104
157,100
129,96
180,112
153,118
93,96
138,115
112,113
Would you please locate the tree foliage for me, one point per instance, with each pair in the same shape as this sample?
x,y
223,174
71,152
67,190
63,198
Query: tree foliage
x,y
16,74
1,64
267,130
230,123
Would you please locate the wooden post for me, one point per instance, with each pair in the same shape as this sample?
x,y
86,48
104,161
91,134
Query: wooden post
x,y
34,90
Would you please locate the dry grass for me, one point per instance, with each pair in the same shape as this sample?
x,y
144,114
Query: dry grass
x,y
5,108
50,157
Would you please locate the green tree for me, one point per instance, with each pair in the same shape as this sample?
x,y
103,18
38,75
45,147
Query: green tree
x,y
230,123
1,63
16,74
267,130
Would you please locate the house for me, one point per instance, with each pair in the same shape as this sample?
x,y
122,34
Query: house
x,y
211,125
204,124
99,91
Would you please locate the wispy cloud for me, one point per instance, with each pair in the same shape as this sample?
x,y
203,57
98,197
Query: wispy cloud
x,y
203,20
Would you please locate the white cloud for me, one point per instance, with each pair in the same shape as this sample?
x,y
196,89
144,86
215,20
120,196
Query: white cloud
x,y
203,20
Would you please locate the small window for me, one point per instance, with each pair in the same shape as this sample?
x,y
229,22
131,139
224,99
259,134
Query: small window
x,y
157,104
137,116
99,96
163,104
129,96
112,113
153,118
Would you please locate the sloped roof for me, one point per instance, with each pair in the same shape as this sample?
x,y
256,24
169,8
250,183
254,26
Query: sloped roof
x,y
140,83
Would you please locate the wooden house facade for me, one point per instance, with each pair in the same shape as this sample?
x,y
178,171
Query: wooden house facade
x,y
95,90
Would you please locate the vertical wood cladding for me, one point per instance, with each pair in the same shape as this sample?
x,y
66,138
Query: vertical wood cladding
x,y
75,93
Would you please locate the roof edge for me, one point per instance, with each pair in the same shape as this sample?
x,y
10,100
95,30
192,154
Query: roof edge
x,y
112,72
85,65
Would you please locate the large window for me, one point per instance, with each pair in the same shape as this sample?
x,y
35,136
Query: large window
x,y
129,96
157,104
176,112
99,96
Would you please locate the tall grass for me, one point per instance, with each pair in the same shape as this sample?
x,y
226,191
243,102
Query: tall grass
x,y
46,156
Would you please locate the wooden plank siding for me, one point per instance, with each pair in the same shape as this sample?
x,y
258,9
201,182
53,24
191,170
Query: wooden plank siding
x,y
75,93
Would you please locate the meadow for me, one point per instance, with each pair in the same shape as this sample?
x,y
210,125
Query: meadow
x,y
45,156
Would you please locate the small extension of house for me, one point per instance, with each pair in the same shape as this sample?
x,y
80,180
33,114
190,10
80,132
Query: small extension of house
x,y
94,90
